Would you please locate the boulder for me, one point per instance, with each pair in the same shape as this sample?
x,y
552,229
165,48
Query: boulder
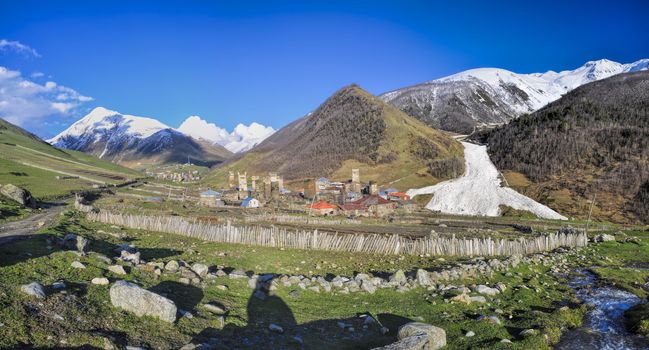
x,y
462,298
604,238
482,289
367,286
17,194
418,336
172,266
423,278
398,277
200,269
34,289
141,302
75,242
130,257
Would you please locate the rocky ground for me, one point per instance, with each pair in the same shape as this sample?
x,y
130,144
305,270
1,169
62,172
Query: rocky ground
x,y
85,284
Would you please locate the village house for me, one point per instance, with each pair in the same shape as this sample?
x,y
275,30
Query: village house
x,y
398,196
250,202
373,206
323,208
211,198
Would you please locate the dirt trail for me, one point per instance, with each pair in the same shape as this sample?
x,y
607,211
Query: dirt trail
x,y
13,230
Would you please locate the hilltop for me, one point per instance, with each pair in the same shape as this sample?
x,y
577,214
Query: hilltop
x,y
353,129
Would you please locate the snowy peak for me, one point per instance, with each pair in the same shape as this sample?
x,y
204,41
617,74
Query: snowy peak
x,y
241,139
101,121
463,101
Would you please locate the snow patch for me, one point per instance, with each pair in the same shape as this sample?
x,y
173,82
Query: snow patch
x,y
479,191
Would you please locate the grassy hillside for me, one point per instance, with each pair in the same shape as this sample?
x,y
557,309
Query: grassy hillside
x,y
353,129
27,161
592,143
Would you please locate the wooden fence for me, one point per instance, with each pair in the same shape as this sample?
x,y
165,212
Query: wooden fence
x,y
294,219
368,243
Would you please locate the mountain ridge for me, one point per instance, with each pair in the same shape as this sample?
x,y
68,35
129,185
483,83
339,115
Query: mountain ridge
x,y
352,129
592,144
482,96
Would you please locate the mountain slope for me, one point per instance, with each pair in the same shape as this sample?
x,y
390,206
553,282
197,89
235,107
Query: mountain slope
x,y
136,141
353,129
241,139
593,142
27,161
482,96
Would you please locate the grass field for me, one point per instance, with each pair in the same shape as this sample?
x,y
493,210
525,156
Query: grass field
x,y
311,316
29,162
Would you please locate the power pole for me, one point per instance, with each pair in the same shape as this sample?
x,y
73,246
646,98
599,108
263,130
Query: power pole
x,y
590,211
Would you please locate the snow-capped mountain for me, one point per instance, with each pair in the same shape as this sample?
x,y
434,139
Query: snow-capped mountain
x,y
492,96
241,139
136,141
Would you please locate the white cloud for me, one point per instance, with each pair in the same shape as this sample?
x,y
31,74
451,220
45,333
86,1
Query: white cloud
x,y
241,139
26,103
16,46
37,75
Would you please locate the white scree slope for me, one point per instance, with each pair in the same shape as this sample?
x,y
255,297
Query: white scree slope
x,y
479,191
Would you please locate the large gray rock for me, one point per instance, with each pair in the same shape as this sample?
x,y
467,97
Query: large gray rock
x,y
436,336
604,238
418,336
34,289
482,289
133,298
423,278
20,195
200,269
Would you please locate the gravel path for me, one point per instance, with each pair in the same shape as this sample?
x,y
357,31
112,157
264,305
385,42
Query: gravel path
x,y
479,191
13,230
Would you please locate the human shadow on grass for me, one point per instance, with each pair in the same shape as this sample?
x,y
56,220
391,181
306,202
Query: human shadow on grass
x,y
265,308
16,249
186,297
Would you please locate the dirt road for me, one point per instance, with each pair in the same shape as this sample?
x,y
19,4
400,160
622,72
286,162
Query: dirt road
x,y
11,231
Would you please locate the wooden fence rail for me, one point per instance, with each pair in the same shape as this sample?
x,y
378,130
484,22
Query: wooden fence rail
x,y
368,243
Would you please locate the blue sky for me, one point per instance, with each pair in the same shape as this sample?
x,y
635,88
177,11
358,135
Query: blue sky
x,y
272,62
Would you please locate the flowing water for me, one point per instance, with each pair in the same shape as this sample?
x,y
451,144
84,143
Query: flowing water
x,y
603,327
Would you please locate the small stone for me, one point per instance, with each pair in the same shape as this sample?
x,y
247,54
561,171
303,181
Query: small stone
x,y
34,289
58,285
276,328
221,287
478,299
294,293
213,308
528,333
491,319
78,265
469,334
184,280
505,341
117,269
102,281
